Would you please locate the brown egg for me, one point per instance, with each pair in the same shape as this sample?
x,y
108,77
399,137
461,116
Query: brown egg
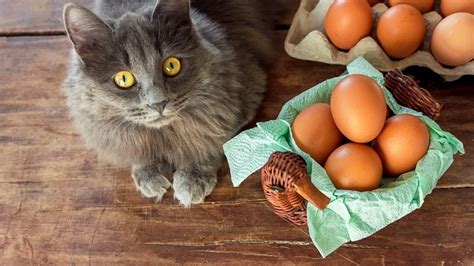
x,y
402,143
422,5
354,166
315,132
347,22
452,43
358,108
401,30
374,2
449,7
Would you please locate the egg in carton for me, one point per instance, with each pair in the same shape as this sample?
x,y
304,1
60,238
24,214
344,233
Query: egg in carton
x,y
307,40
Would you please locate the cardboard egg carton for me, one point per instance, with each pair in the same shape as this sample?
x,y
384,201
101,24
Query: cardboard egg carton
x,y
307,40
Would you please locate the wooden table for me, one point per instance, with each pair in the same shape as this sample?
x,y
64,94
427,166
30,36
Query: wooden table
x,y
59,205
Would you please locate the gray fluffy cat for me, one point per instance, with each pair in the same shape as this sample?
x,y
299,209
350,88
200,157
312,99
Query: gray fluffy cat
x,y
167,123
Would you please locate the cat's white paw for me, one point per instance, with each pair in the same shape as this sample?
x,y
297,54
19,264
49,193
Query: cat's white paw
x,y
150,182
191,187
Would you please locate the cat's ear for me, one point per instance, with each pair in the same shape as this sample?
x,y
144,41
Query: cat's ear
x,y
175,11
87,32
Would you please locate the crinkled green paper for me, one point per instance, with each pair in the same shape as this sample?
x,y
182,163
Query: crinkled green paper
x,y
350,215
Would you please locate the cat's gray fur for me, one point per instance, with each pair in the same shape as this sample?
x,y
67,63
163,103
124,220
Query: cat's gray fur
x,y
223,45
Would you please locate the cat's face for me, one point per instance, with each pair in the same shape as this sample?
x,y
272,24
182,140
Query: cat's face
x,y
140,68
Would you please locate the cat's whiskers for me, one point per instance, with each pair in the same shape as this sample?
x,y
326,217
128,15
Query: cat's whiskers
x,y
138,114
180,100
133,110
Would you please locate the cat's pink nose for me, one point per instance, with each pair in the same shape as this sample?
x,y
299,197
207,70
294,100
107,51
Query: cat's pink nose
x,y
160,107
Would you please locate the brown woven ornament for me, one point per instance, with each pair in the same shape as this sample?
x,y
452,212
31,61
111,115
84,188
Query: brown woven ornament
x,y
407,92
286,185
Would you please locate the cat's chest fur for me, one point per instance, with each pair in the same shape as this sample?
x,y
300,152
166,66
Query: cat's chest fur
x,y
175,144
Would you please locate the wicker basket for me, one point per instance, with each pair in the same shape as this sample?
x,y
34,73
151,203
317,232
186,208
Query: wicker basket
x,y
285,182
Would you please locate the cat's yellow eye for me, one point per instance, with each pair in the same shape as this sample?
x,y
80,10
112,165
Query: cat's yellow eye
x,y
124,79
171,66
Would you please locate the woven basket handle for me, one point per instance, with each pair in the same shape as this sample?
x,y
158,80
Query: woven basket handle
x,y
286,185
309,192
408,93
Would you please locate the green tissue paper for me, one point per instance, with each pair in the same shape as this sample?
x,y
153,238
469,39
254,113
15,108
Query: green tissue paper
x,y
350,215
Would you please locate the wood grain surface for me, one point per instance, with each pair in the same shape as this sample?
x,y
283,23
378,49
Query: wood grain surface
x,y
59,205
34,17
44,17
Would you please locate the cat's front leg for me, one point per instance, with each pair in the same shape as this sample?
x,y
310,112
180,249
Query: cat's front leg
x,y
151,180
192,184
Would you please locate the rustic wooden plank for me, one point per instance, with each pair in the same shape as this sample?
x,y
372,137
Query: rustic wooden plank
x,y
59,205
34,16
457,118
42,17
220,233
